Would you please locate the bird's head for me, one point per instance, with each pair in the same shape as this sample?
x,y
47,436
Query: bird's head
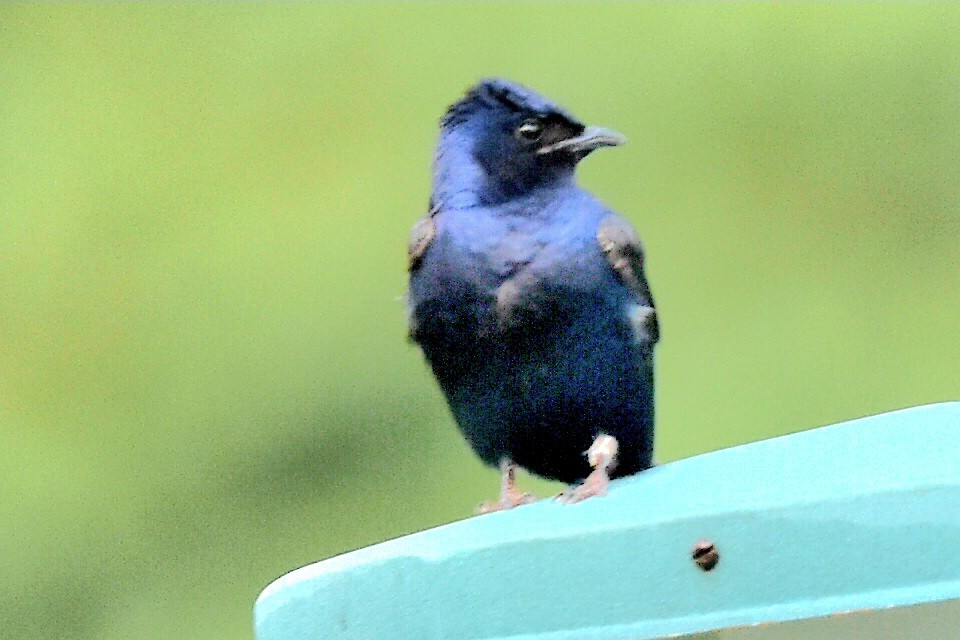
x,y
502,140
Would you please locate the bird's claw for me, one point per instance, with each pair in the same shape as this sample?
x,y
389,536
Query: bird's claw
x,y
510,495
508,502
594,485
602,456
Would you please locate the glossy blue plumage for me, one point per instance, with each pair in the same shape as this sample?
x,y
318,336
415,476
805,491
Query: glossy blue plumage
x,y
517,307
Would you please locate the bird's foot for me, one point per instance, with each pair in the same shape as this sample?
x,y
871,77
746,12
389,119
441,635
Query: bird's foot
x,y
595,484
510,495
516,499
602,456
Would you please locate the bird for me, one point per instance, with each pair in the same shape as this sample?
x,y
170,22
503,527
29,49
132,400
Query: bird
x,y
529,300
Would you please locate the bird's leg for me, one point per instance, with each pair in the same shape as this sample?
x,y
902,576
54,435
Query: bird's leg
x,y
510,495
602,456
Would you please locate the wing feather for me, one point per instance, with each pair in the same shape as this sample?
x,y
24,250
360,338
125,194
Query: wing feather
x,y
623,250
421,236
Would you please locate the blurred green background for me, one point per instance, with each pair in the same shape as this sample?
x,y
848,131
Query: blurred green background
x,y
204,380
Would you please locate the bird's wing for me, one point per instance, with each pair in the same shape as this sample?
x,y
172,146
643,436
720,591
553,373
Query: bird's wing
x,y
421,236
625,254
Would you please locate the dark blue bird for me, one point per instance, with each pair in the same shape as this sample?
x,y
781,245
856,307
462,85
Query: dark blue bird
x,y
528,297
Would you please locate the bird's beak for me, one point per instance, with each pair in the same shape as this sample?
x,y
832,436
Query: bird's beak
x,y
591,138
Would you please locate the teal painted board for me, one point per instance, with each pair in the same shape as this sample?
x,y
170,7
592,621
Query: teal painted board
x,y
862,515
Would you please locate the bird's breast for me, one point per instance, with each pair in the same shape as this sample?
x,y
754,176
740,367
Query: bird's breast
x,y
489,275
514,251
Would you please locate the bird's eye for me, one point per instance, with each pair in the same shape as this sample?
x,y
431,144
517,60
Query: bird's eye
x,y
531,130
